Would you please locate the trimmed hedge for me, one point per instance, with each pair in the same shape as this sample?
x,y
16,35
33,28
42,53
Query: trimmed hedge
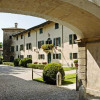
x,y
16,62
23,62
0,61
50,71
8,63
36,66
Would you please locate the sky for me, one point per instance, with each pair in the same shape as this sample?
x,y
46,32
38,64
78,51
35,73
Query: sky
x,y
24,21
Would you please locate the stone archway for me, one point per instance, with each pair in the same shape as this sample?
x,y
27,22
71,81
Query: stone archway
x,y
82,16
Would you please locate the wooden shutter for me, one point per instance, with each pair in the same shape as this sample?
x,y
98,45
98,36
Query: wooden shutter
x,y
70,39
54,41
38,56
59,56
70,55
53,56
59,41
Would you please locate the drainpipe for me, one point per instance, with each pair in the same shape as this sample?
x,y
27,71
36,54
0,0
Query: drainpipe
x,y
24,46
62,41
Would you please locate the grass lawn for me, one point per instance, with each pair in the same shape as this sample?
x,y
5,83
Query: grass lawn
x,y
69,68
39,79
69,79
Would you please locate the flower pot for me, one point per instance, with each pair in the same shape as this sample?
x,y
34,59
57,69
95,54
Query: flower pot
x,y
76,65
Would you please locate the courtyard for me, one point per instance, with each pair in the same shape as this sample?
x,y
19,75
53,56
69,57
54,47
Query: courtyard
x,y
16,84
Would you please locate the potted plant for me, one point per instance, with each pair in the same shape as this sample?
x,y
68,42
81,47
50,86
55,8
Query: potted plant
x,y
76,63
47,47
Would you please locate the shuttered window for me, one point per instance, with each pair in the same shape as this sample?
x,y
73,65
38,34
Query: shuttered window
x,y
74,55
57,56
12,48
29,56
70,55
56,25
28,46
53,56
21,47
16,47
29,34
57,41
70,39
40,43
21,36
41,30
41,56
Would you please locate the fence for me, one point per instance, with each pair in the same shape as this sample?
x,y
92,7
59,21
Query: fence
x,y
58,77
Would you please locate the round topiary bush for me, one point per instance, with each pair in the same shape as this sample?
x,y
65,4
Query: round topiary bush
x,y
50,71
16,62
23,62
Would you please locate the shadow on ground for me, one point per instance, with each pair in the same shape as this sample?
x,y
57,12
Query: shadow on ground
x,y
13,88
5,69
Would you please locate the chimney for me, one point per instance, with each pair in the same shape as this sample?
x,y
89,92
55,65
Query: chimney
x,y
16,24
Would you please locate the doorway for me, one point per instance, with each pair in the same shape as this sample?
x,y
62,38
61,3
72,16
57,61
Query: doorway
x,y
49,57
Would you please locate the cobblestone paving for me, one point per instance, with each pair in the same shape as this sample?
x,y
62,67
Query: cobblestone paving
x,y
15,88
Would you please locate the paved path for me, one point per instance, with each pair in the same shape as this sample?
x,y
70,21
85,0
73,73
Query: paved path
x,y
16,84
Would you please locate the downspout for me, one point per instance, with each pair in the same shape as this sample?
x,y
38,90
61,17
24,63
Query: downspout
x,y
62,43
24,46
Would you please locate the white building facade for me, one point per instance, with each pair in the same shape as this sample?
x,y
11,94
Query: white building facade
x,y
28,44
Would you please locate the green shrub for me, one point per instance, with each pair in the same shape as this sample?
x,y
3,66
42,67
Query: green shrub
x,y
36,66
1,57
23,62
50,71
8,63
0,61
16,62
76,61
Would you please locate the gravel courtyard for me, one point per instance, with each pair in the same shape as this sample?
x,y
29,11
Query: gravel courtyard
x,y
16,85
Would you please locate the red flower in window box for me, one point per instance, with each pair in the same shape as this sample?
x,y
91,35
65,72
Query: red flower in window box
x,y
44,63
35,62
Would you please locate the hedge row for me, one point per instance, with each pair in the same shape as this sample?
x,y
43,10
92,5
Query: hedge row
x,y
23,62
8,63
36,66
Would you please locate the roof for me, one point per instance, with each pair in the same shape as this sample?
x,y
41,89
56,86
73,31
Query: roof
x,y
32,28
13,28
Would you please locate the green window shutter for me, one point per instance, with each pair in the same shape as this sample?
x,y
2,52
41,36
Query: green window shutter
x,y
30,46
43,56
59,56
70,39
39,56
59,41
70,55
53,56
54,41
26,46
38,44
